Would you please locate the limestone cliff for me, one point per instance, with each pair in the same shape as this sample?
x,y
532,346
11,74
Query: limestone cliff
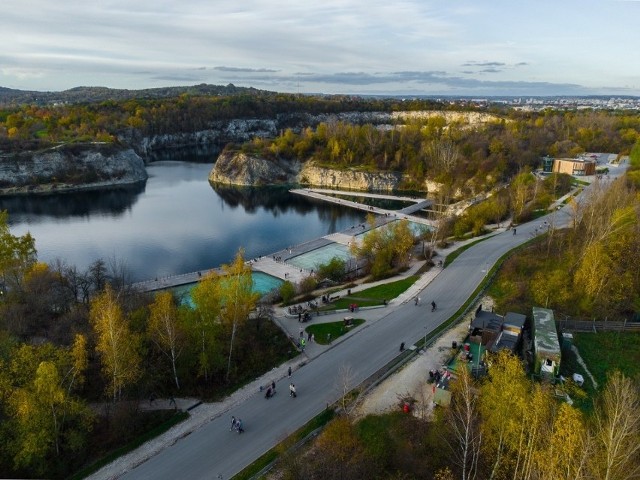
x,y
348,179
70,167
240,169
236,168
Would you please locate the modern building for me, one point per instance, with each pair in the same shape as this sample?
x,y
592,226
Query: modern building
x,y
575,166
546,347
547,164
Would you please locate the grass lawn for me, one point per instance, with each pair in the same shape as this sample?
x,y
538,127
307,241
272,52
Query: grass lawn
x,y
334,329
373,296
604,352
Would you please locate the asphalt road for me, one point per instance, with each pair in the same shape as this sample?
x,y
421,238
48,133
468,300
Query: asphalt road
x,y
214,452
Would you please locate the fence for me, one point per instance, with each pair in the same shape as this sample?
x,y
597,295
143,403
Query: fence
x,y
597,326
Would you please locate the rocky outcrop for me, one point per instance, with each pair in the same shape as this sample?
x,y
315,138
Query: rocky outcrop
x,y
237,168
70,167
214,138
241,169
349,179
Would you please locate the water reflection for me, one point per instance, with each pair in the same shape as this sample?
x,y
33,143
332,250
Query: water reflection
x,y
113,202
175,223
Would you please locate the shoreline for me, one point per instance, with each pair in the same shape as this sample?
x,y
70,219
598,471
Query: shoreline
x,y
52,189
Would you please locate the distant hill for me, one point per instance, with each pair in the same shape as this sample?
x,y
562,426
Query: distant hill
x,y
100,94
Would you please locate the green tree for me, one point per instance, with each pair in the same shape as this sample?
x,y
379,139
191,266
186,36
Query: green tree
x,y
334,269
287,291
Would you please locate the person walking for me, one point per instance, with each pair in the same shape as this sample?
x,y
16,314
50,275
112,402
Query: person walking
x,y
289,371
514,231
273,386
292,390
239,426
233,423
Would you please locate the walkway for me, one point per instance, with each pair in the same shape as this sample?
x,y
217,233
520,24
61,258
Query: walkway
x,y
322,194
202,413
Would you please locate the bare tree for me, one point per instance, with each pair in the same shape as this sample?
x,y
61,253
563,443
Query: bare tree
x,y
616,453
344,384
464,422
444,155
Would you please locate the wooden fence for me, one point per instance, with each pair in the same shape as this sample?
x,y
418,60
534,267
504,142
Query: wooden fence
x,y
597,326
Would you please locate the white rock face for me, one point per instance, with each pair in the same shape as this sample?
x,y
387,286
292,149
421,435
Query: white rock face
x,y
348,179
72,166
245,170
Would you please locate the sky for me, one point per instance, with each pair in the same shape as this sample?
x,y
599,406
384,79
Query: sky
x,y
392,47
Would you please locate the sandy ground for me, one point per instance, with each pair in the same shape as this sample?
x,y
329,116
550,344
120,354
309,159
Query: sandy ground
x,y
411,380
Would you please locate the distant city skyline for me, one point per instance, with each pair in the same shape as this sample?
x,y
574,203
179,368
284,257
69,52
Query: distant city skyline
x,y
407,47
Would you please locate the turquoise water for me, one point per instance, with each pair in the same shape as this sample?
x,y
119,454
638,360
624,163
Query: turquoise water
x,y
320,256
262,283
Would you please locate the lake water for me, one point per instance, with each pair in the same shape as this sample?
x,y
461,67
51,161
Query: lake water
x,y
175,223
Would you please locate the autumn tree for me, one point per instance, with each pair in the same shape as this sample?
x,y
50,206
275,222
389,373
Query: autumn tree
x,y
17,253
384,248
503,397
117,345
339,453
521,189
48,421
207,298
616,430
166,331
444,155
239,299
563,455
464,422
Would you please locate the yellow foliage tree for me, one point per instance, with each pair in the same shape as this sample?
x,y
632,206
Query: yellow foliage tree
x,y
616,452
116,344
564,453
239,298
503,400
207,297
165,330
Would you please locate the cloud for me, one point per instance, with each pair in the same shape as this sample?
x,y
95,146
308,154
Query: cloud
x,y
245,70
432,81
483,64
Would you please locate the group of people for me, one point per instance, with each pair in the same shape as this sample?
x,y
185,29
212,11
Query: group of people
x,y
433,304
271,391
236,424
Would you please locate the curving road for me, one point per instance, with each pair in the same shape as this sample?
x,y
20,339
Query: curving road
x,y
214,452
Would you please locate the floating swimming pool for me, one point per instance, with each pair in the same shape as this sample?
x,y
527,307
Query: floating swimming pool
x,y
320,256
262,283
